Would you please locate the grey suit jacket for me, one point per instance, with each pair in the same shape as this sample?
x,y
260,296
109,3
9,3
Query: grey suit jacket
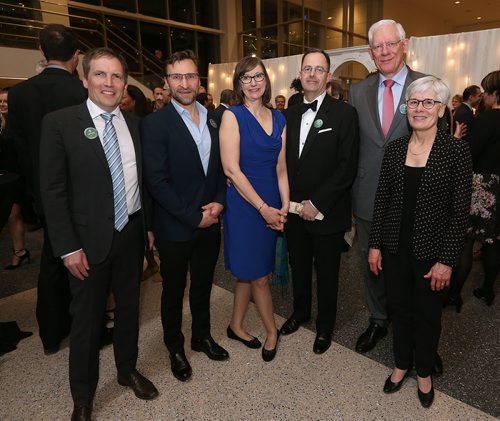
x,y
363,96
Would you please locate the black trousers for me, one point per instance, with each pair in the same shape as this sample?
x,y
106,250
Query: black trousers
x,y
120,273
415,310
199,256
305,248
53,297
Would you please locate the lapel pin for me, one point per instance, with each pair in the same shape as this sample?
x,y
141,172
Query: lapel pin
x,y
213,123
318,123
90,133
403,109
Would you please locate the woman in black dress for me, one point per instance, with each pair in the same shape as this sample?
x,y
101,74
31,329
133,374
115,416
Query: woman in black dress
x,y
418,231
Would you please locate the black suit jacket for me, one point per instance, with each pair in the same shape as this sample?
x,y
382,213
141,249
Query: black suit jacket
x,y
174,174
29,102
218,113
443,200
76,185
327,166
463,114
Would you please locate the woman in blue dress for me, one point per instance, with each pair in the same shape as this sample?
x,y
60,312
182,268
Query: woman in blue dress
x,y
252,142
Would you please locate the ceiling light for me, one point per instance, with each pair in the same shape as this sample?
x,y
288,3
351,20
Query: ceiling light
x,y
330,18
457,2
479,18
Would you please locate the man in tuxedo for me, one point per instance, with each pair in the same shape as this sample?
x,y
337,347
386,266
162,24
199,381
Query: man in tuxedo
x,y
465,112
382,118
29,102
91,185
322,156
184,176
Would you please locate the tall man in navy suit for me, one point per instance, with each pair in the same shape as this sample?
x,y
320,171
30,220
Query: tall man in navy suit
x,y
184,176
91,185
321,158
55,88
378,127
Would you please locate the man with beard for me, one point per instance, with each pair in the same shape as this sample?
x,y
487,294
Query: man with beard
x,y
184,176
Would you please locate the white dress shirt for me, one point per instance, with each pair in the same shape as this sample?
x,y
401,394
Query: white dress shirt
x,y
308,119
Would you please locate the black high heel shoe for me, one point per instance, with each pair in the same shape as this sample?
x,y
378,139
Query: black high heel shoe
x,y
269,354
486,296
26,256
391,387
253,343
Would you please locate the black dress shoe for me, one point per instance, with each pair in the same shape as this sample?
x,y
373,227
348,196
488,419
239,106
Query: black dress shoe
x,y
253,343
370,337
456,302
213,350
290,326
180,366
50,350
437,368
426,399
269,354
390,387
487,296
82,413
142,387
322,342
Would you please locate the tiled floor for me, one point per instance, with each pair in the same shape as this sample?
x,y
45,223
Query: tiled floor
x,y
298,385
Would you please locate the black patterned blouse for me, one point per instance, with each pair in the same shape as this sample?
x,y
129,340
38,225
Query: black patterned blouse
x,y
443,200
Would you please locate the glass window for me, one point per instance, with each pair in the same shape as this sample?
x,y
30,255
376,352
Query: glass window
x,y
207,13
182,39
292,50
208,51
122,36
181,10
295,34
156,8
248,13
314,36
269,33
333,39
314,15
87,27
125,5
95,2
360,18
269,49
334,13
268,12
291,11
359,41
154,46
249,44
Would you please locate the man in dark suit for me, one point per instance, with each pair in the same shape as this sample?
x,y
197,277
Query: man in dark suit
x,y
226,100
321,155
91,185
29,102
184,176
388,45
465,112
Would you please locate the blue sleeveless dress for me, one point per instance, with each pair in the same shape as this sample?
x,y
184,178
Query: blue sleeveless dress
x,y
250,246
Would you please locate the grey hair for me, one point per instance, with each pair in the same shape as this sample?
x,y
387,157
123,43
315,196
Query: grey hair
x,y
384,22
429,83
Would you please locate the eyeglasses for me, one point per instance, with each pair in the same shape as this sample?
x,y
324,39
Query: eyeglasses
x,y
246,79
177,77
427,103
391,46
318,69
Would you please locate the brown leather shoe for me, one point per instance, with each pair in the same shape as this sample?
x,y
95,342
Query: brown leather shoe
x,y
82,413
141,386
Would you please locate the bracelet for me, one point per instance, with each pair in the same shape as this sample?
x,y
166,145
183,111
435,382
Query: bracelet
x,y
261,206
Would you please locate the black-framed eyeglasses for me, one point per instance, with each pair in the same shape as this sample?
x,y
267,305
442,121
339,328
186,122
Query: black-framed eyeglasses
x,y
427,103
246,79
391,46
177,77
318,69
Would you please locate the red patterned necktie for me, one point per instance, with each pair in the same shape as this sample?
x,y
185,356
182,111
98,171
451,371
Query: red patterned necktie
x,y
387,107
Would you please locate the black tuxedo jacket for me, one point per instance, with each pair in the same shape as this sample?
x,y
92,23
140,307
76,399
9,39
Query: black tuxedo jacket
x,y
76,185
463,114
29,102
218,113
326,169
174,174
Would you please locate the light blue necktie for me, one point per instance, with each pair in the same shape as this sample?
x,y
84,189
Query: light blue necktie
x,y
112,152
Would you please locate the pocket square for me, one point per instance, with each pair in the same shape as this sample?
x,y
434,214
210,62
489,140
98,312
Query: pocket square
x,y
325,130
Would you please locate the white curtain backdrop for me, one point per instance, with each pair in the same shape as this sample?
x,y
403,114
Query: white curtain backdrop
x,y
460,59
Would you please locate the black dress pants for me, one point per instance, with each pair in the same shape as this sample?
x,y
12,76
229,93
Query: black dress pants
x,y
199,256
53,297
415,310
119,273
304,248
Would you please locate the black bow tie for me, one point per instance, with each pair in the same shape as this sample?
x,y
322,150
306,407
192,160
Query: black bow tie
x,y
312,105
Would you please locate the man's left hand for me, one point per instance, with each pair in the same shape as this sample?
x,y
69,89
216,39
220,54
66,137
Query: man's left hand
x,y
215,209
308,212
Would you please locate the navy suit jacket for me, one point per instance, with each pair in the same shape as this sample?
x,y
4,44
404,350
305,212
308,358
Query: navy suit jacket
x,y
174,174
